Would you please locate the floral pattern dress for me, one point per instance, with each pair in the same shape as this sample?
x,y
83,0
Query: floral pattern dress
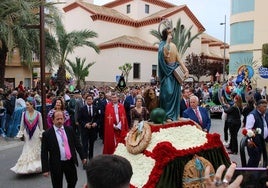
x,y
31,128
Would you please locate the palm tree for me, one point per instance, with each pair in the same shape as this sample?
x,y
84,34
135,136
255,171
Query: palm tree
x,y
182,37
66,43
79,70
15,16
125,70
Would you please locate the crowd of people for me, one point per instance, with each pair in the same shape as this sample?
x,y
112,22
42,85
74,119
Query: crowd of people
x,y
92,113
75,120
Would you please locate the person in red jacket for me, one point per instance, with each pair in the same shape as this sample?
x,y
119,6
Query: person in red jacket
x,y
21,87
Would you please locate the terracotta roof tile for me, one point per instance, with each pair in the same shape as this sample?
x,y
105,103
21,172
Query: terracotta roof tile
x,y
162,13
161,3
207,37
108,14
128,41
101,10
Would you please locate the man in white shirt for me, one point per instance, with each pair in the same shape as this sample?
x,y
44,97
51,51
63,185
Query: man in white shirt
x,y
58,152
264,92
258,118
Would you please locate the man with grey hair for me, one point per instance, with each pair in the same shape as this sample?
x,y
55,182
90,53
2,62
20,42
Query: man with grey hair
x,y
258,118
198,114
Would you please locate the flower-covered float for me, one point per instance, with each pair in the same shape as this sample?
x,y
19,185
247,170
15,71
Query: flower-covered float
x,y
159,154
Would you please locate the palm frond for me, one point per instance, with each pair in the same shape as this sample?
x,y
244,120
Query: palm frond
x,y
79,69
182,37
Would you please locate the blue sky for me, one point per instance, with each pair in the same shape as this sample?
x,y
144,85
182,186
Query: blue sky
x,y
209,12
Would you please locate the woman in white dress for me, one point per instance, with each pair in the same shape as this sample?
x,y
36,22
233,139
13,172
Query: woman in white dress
x,y
31,128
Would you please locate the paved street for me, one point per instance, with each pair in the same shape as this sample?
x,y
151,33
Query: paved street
x,y
11,149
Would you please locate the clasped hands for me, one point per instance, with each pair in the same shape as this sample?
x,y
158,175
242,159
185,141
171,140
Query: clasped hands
x,y
89,125
118,126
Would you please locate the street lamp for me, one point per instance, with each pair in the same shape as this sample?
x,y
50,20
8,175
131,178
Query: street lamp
x,y
224,49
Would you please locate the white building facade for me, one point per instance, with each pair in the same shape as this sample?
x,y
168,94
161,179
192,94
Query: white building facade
x,y
248,27
123,28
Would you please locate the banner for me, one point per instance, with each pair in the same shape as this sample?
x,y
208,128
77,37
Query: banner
x,y
263,71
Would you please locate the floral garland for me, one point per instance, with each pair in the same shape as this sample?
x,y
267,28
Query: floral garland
x,y
149,165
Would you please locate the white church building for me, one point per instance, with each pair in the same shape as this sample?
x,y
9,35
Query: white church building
x,y
123,28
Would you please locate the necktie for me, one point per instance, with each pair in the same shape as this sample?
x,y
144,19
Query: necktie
x,y
90,110
65,144
198,116
187,103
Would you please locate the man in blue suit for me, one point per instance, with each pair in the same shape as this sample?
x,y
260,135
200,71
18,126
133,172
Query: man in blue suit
x,y
131,98
198,114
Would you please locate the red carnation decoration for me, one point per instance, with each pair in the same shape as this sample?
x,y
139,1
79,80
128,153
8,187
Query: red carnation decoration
x,y
245,132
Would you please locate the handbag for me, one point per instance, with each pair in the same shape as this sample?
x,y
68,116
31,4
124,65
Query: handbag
x,y
179,74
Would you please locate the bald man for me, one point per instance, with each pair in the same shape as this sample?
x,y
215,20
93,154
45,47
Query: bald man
x,y
198,114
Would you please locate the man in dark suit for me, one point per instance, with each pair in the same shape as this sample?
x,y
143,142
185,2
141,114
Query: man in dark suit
x,y
79,103
100,104
88,120
127,107
258,118
131,98
185,103
198,114
58,152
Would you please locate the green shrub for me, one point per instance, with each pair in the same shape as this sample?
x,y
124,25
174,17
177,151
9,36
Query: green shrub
x,y
265,55
35,74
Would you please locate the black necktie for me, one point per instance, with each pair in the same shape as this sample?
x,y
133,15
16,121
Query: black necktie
x,y
90,110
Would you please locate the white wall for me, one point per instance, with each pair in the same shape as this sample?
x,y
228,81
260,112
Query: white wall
x,y
108,62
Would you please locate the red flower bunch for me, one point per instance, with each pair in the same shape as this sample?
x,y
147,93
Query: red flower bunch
x,y
251,134
244,132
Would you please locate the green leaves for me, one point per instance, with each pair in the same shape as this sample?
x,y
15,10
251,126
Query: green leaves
x,y
125,70
182,37
79,69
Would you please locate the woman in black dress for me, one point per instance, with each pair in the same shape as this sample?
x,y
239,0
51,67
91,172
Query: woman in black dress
x,y
233,122
138,113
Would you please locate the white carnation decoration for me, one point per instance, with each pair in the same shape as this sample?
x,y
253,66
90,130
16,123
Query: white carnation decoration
x,y
141,165
183,137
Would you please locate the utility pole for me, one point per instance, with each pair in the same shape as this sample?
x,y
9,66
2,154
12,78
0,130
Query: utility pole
x,y
42,61
224,50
